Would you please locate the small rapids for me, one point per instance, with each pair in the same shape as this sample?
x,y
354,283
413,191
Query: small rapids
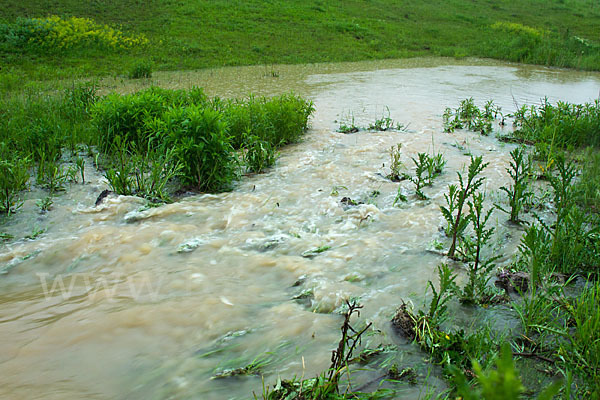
x,y
123,301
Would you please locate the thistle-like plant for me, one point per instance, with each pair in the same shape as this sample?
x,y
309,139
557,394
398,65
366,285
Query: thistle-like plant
x,y
479,269
456,199
517,192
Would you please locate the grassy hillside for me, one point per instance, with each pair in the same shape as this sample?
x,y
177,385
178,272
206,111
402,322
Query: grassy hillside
x,y
198,33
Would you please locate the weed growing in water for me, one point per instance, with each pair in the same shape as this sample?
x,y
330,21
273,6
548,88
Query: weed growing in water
x,y
456,199
469,116
396,164
14,176
427,169
347,125
258,154
518,192
325,386
45,204
559,126
80,163
502,383
420,179
477,290
382,124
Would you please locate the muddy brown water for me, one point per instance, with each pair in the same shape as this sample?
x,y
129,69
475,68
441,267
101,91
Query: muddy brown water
x,y
118,302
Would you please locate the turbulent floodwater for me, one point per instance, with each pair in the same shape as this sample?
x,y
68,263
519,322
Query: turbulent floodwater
x,y
118,302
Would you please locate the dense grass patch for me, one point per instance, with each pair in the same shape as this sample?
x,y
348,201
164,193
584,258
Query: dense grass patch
x,y
148,143
560,126
188,35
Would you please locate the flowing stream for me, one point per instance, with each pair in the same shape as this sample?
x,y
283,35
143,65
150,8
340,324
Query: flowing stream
x,y
121,301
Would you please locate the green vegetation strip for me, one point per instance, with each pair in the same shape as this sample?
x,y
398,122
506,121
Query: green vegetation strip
x,y
199,34
148,144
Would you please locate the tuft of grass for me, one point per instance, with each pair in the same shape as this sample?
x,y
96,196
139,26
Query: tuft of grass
x,y
140,70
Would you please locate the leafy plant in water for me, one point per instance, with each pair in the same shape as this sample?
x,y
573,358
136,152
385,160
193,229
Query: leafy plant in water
x,y
456,198
427,169
476,290
518,192
53,176
349,126
502,383
14,175
325,386
80,163
258,154
153,170
435,167
202,146
438,310
45,204
396,163
119,174
469,116
420,178
382,124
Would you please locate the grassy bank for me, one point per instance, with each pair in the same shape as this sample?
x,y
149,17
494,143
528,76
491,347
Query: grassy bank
x,y
197,34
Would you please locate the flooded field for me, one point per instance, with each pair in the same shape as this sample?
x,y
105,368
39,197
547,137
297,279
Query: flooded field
x,y
122,301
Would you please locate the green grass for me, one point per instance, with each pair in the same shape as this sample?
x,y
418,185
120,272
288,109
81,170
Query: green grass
x,y
149,143
197,34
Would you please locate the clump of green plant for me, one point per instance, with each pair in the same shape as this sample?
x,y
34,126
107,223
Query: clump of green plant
x,y
575,235
347,125
559,125
518,192
199,137
502,383
281,120
456,199
53,176
427,169
476,289
258,154
396,164
142,69
382,124
446,348
14,175
469,116
142,173
45,204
